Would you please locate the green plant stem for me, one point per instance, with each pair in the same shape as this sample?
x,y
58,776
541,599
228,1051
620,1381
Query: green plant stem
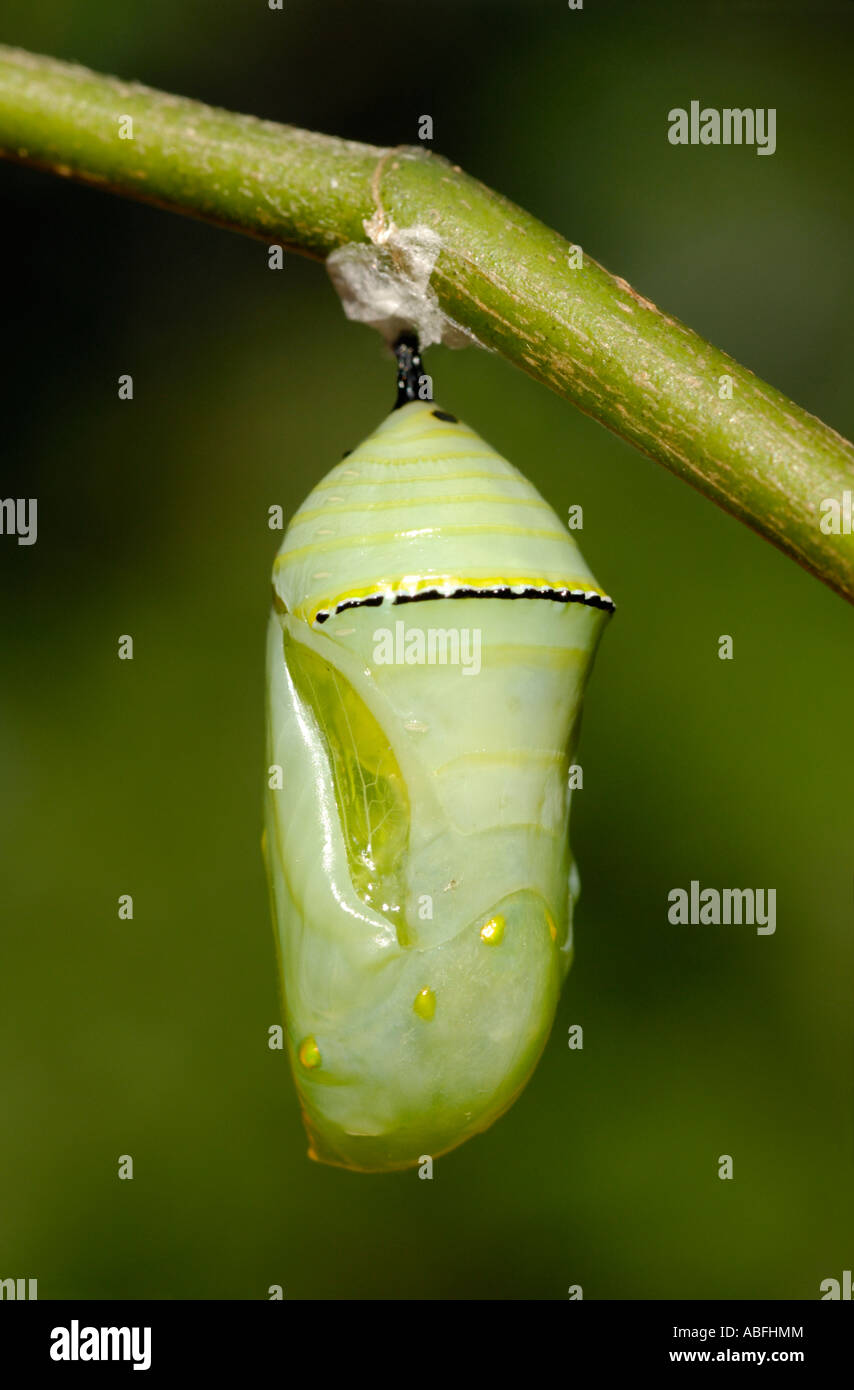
x,y
501,273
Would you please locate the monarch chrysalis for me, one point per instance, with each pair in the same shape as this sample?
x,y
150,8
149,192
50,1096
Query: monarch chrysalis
x,y
417,846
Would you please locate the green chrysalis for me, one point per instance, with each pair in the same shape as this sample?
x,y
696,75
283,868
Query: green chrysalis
x,y
432,632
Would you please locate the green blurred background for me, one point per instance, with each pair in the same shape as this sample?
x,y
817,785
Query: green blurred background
x,y
149,1037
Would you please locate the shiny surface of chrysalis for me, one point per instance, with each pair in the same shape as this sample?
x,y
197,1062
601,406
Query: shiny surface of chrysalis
x,y
432,632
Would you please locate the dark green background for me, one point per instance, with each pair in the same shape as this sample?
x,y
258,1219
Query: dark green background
x,y
149,1038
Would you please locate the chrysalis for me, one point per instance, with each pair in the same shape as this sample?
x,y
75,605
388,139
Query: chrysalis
x,y
432,631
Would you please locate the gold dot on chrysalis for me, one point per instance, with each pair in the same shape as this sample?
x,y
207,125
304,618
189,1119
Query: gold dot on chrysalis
x,y
309,1054
492,932
425,1003
551,926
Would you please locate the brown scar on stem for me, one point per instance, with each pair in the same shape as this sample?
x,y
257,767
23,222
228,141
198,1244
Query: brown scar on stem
x,y
638,298
376,180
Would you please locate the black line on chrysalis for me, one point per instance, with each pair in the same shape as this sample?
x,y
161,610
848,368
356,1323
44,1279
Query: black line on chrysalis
x,y
375,602
557,595
585,596
409,369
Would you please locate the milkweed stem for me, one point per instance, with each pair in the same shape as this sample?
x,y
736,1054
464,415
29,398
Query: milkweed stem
x,y
518,286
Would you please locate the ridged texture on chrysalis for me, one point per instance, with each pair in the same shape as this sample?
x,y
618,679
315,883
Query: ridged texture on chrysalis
x,y
432,632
